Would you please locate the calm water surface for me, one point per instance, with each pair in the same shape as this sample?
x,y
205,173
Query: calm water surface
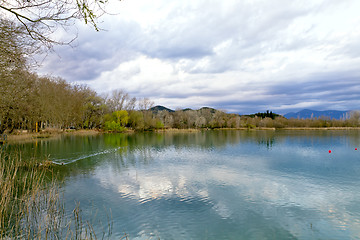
x,y
213,184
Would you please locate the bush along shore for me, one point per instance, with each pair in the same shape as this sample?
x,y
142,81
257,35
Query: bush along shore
x,y
203,119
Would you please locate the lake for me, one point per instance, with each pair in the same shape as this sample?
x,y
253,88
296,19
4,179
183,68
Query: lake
x,y
212,184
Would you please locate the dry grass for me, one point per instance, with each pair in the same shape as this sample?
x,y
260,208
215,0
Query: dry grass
x,y
31,206
178,130
47,133
84,132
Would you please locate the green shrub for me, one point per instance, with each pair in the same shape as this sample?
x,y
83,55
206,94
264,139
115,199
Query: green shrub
x,y
159,125
117,121
113,126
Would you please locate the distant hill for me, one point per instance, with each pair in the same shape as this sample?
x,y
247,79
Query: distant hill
x,y
307,113
212,110
160,108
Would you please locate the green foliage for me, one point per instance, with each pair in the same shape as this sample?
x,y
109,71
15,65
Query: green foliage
x,y
122,117
113,126
267,114
250,126
136,120
159,125
117,121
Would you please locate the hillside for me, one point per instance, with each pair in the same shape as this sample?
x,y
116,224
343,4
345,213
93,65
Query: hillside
x,y
307,113
160,108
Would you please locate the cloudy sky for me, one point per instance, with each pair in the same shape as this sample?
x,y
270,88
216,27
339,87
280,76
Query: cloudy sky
x,y
236,55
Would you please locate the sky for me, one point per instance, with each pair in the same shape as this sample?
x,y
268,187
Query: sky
x,y
235,55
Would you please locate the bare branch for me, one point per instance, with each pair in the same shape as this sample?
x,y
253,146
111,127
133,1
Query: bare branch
x,y
41,18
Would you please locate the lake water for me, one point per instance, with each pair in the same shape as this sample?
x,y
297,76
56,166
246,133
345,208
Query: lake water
x,y
213,184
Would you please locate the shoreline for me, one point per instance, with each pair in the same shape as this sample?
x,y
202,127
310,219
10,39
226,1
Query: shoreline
x,y
32,136
28,137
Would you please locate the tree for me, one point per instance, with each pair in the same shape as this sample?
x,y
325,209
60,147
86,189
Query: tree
x,y
120,100
136,120
116,121
39,19
122,117
200,122
92,110
354,119
15,86
145,104
15,90
13,47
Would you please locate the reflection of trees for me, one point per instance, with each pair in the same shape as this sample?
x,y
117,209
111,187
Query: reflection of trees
x,y
122,151
141,148
266,138
320,137
200,139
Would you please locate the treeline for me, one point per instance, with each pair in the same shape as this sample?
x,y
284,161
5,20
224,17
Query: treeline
x,y
212,118
30,102
267,114
34,103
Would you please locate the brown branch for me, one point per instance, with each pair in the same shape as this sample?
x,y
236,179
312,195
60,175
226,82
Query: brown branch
x,y
31,6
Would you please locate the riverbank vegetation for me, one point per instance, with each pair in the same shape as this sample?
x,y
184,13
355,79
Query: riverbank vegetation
x,y
31,205
23,198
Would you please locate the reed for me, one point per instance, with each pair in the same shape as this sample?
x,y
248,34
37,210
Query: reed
x,y
31,205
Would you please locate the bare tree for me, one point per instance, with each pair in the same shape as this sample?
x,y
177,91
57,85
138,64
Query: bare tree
x,y
200,122
120,100
354,118
145,104
13,48
39,19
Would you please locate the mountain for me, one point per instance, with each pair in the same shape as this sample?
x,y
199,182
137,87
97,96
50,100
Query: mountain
x,y
212,110
160,108
307,113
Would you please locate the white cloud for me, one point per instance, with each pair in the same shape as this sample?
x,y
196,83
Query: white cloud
x,y
234,55
252,179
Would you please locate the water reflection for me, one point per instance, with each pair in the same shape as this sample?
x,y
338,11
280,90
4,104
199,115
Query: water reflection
x,y
216,184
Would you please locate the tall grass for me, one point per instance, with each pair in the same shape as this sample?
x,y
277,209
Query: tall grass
x,y
31,205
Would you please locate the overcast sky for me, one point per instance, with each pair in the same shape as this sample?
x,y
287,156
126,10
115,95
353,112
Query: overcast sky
x,y
239,56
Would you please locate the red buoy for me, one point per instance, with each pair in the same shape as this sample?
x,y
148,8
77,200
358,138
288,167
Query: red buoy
x,y
329,151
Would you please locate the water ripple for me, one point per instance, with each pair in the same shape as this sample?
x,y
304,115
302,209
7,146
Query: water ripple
x,y
66,161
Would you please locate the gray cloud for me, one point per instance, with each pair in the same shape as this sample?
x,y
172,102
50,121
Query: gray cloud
x,y
194,33
238,56
93,52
